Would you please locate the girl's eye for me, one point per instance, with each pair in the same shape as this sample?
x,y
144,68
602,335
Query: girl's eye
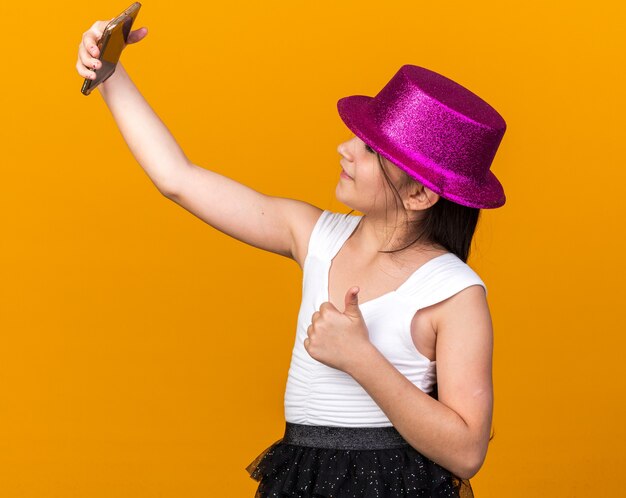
x,y
368,148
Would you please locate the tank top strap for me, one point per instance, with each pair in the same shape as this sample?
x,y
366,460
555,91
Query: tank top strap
x,y
330,232
439,279
434,282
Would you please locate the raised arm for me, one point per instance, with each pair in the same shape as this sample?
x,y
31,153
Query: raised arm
x,y
275,224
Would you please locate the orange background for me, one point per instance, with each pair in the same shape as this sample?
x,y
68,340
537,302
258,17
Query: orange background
x,y
144,354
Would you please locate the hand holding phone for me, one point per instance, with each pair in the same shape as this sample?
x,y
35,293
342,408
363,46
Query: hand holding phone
x,y
98,57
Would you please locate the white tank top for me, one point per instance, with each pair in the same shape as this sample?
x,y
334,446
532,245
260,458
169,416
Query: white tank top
x,y
317,394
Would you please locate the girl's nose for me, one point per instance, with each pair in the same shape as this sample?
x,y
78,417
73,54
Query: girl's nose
x,y
342,148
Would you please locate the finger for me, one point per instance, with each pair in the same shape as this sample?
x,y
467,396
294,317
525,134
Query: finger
x,y
352,295
311,332
327,306
84,72
352,301
90,48
92,36
137,35
90,41
98,27
86,60
306,343
315,316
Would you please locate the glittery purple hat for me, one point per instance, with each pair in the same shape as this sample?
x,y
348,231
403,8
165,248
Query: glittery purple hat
x,y
434,129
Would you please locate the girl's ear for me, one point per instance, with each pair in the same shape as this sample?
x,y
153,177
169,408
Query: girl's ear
x,y
418,197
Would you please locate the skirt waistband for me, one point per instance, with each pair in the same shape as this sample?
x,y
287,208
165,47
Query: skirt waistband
x,y
343,438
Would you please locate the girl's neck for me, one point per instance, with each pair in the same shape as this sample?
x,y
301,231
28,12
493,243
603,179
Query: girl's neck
x,y
376,234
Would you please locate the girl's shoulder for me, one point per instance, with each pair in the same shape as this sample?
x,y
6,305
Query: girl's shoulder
x,y
330,232
441,277
303,218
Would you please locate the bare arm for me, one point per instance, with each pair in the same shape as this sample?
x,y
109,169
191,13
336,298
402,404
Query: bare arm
x,y
147,137
149,140
275,224
453,431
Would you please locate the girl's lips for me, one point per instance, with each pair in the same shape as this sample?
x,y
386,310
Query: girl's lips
x,y
343,171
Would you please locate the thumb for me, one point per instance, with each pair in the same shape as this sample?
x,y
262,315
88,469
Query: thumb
x,y
137,35
352,303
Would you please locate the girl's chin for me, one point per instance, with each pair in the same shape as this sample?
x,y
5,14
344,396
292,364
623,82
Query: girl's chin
x,y
345,200
340,197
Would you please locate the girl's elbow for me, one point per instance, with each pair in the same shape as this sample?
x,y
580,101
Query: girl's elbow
x,y
467,472
470,466
473,454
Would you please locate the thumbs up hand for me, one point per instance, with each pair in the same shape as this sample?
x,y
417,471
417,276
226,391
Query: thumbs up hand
x,y
338,339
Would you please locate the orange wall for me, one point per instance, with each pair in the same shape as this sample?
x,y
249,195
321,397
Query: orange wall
x,y
144,354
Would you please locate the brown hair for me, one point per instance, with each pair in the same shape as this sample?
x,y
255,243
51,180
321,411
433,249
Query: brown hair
x,y
445,223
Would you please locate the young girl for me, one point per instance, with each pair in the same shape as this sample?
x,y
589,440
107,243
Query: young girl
x,y
389,392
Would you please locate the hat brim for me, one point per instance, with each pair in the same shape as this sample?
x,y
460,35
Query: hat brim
x,y
487,193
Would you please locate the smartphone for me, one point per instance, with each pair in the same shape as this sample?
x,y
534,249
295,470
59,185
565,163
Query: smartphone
x,y
110,46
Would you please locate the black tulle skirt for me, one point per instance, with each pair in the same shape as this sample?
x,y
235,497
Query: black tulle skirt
x,y
357,462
